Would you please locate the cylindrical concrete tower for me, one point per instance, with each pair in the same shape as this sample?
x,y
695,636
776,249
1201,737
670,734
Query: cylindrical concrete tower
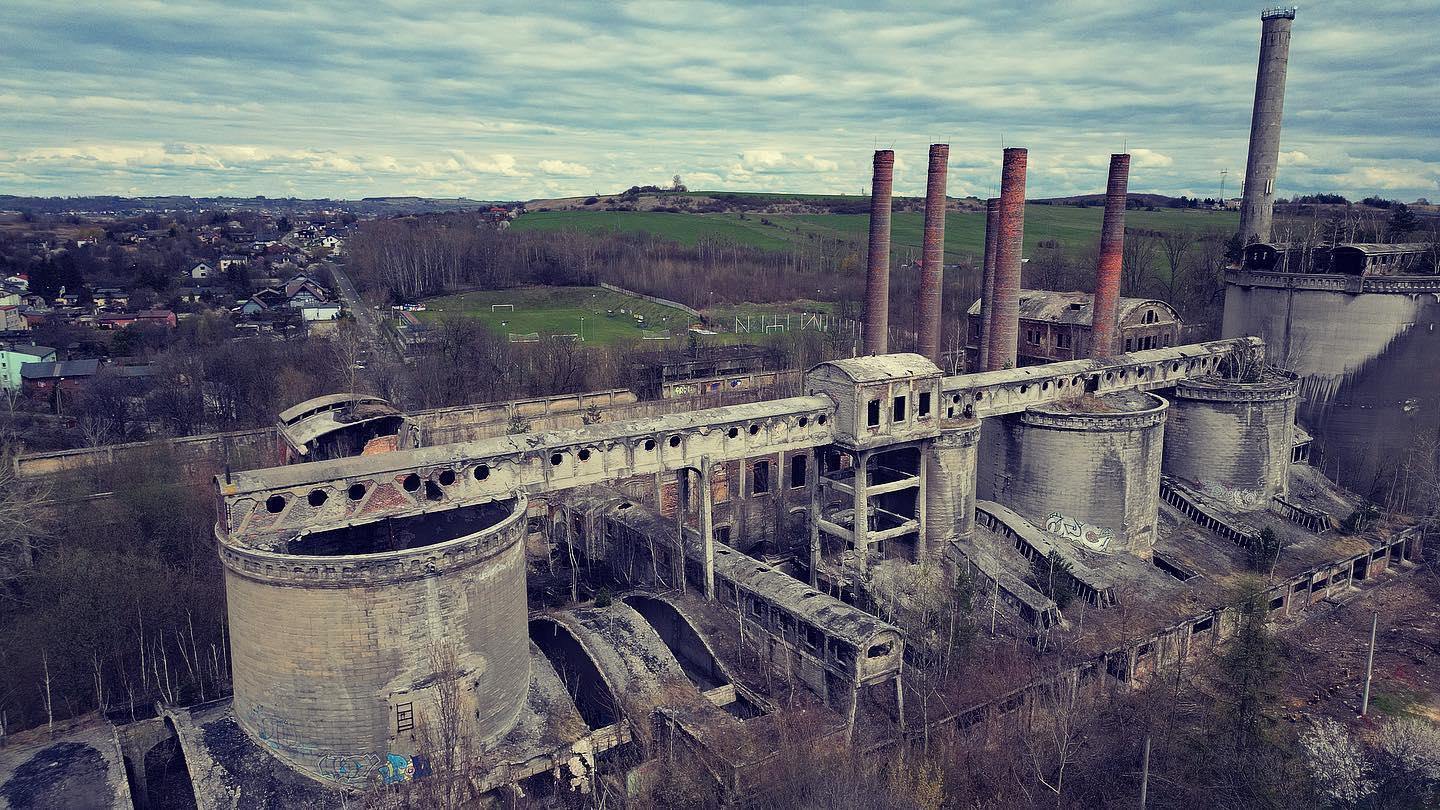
x,y
1084,470
987,281
950,486
932,275
877,275
1258,201
1009,247
1105,318
1367,349
340,639
1232,440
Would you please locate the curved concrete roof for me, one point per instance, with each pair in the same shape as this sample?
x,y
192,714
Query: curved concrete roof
x,y
874,368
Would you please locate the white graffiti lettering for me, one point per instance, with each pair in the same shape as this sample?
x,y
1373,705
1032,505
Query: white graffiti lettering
x,y
1095,538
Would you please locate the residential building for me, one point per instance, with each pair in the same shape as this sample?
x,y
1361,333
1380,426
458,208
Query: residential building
x,y
13,356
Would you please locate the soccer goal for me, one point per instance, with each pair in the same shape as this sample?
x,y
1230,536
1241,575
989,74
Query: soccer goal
x,y
655,334
502,307
524,337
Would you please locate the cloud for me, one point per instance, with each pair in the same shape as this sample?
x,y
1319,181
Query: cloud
x,y
439,98
563,168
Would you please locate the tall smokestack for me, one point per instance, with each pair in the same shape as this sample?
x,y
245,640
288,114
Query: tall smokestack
x,y
987,281
1105,317
932,275
1259,200
877,276
1009,245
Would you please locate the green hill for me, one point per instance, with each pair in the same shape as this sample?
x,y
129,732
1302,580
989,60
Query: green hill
x,y
1075,229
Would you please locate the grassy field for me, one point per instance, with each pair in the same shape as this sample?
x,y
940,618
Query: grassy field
x,y
559,310
1076,229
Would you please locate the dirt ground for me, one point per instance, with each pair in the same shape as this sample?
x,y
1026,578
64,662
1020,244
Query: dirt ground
x,y
1325,656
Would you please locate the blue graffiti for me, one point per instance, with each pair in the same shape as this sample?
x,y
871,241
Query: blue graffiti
x,y
400,768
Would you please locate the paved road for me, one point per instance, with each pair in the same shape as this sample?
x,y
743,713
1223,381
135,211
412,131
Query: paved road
x,y
367,317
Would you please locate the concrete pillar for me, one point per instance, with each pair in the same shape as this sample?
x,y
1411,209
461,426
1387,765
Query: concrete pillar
x,y
1009,248
949,487
877,276
1105,317
682,501
815,506
707,528
861,523
932,274
987,284
1258,202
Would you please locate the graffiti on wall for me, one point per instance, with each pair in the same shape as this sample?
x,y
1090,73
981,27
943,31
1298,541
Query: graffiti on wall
x,y
390,769
1095,538
1234,497
400,768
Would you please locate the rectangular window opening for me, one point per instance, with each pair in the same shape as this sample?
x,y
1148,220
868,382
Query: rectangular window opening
x,y
922,407
872,413
798,465
760,478
898,410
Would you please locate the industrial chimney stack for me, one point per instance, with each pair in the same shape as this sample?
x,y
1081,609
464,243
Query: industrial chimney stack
x,y
1259,199
932,274
877,276
1009,246
987,283
1104,318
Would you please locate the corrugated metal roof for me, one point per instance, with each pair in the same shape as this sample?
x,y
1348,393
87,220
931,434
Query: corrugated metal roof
x,y
64,368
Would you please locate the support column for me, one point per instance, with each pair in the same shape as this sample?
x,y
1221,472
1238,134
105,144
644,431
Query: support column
x,y
987,282
1009,248
682,500
707,529
816,503
861,523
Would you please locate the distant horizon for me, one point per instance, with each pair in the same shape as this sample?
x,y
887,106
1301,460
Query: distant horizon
x,y
436,100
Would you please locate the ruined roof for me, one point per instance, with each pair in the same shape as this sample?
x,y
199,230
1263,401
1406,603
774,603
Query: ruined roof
x,y
309,428
327,401
1071,307
849,624
877,367
1376,249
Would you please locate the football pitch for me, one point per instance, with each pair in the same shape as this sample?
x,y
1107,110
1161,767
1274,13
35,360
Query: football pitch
x,y
598,315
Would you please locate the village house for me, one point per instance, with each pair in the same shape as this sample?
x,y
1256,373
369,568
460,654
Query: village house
x,y
203,271
14,356
41,380
120,320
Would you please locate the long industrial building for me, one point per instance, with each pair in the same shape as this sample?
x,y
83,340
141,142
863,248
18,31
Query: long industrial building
x,y
591,608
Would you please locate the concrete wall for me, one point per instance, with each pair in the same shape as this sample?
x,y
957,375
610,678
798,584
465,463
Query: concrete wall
x,y
1232,441
1369,367
324,649
1092,477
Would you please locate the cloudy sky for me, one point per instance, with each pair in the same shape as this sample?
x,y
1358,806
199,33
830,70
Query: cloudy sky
x,y
521,100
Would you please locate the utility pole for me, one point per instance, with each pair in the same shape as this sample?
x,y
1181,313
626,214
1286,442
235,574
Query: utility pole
x,y
1369,664
1145,772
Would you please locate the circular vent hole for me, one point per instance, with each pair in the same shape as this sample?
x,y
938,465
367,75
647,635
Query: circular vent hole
x,y
482,472
356,492
318,497
274,504
556,458
754,429
649,444
674,441
804,420
411,482
584,455
447,477
822,419
733,432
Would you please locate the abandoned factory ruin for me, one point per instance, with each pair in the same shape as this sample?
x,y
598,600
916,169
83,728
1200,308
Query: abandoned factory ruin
x,y
592,601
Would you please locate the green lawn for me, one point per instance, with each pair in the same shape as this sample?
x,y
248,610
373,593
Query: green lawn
x,y
1076,229
559,310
